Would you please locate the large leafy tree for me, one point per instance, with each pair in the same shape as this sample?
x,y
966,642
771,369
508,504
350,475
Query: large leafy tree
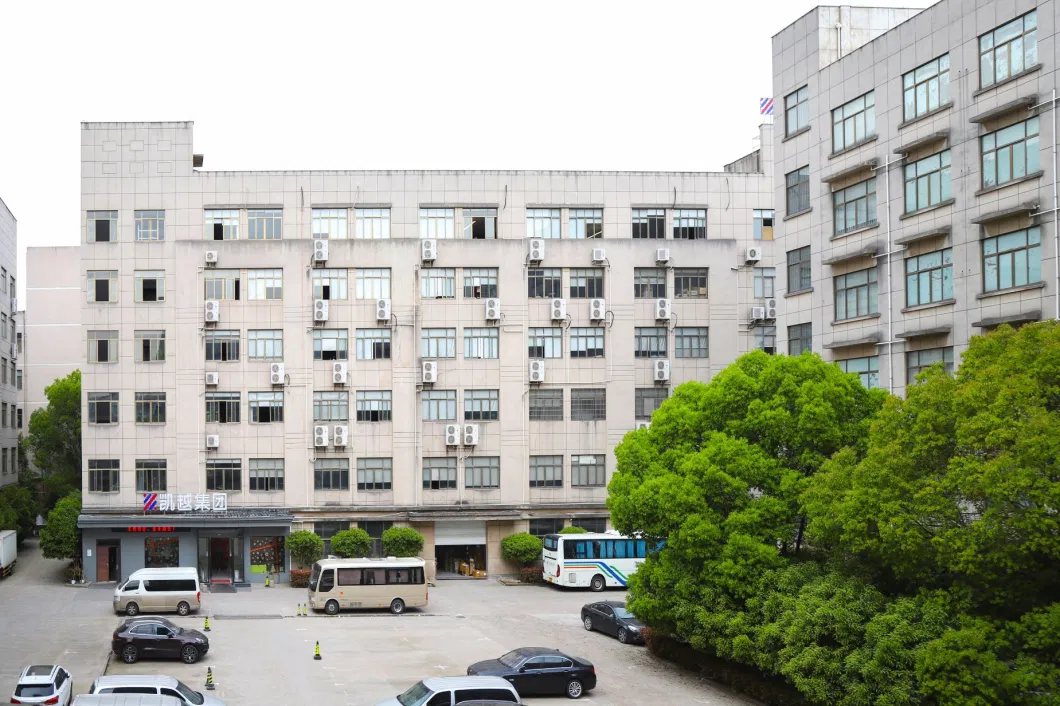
x,y
55,438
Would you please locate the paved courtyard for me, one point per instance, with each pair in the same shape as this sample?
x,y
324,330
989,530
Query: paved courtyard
x,y
262,653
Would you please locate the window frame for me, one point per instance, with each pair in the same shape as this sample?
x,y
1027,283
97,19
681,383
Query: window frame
x,y
151,342
437,223
382,470
476,470
690,224
438,343
266,475
265,284
1032,246
651,342
140,280
797,105
546,404
588,404
374,406
224,475
588,475
226,218
683,277
648,223
341,343
331,406
1028,45
913,81
336,279
150,225
329,223
481,343
917,267
538,218
149,407
487,282
589,221
221,346
797,191
586,342
761,230
265,344
259,401
865,376
438,472
100,483
436,403
151,475
231,402
109,276
545,283
914,365
336,470
374,279
1026,149
800,269
264,224
649,282
863,107
373,343
93,218
914,182
371,223
799,344
546,471
544,342
94,338
859,197
691,342
648,396
482,405
111,399
871,287
438,286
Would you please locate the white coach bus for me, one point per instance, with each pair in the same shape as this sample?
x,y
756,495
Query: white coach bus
x,y
591,560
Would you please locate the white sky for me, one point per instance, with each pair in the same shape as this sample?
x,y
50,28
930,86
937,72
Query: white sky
x,y
548,84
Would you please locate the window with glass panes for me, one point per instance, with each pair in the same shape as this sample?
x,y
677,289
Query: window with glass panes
x,y
222,407
543,223
374,405
648,399
224,474
926,88
546,404
856,294
222,224
690,282
222,346
649,223
588,405
854,122
649,282
331,474
927,182
855,206
371,283
799,274
265,284
691,342
331,406
690,224
150,225
539,527
929,278
596,525
1008,50
587,342
480,223
104,475
373,343
102,407
766,339
482,472
544,283
546,472
149,286
265,344
102,226
331,344
481,405
265,407
586,222
266,474
763,223
586,283
329,284
765,282
917,362
151,475
480,282
481,343
150,408
374,473
587,470
438,342
796,111
329,223
265,224
102,286
222,284
372,223
439,473
438,283
649,342
438,405
867,369
1010,153
545,342
797,190
800,339
437,223
102,347
1012,260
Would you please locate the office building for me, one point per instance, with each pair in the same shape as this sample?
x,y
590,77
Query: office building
x,y
11,415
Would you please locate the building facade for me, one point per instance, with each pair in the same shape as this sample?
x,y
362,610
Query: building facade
x,y
11,415
915,180
268,351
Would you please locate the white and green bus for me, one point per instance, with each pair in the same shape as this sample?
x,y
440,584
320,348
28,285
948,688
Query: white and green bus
x,y
593,561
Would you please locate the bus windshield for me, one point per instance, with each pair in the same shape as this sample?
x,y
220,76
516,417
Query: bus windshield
x,y
314,577
551,542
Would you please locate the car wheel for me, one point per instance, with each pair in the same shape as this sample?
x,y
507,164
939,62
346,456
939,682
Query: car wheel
x,y
588,623
129,654
189,654
623,636
598,583
132,609
397,606
574,689
183,608
331,607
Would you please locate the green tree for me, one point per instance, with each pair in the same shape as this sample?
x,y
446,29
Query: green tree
x,y
18,511
402,541
522,548
60,538
573,529
305,547
351,543
55,438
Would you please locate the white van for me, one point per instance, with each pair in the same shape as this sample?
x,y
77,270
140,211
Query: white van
x,y
126,700
158,590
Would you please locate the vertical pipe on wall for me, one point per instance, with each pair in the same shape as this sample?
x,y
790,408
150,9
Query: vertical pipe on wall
x,y
1056,215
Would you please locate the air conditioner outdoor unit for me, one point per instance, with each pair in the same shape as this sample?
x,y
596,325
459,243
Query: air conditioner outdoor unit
x,y
430,371
382,309
537,250
599,255
320,435
758,313
211,257
559,309
662,309
662,255
771,308
452,435
753,254
320,251
276,373
213,378
212,311
597,309
213,441
537,371
342,435
339,373
428,249
470,434
320,310
493,310
643,425
662,371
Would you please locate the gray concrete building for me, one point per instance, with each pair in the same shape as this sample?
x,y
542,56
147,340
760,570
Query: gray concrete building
x,y
915,180
11,416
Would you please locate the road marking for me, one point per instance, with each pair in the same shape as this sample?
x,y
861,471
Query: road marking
x,y
441,666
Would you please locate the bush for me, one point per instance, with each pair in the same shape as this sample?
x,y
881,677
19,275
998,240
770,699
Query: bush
x,y
74,572
60,538
402,541
300,578
305,547
573,530
522,548
351,543
530,574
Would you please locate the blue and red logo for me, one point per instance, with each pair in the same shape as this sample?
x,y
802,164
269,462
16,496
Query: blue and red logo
x,y
150,502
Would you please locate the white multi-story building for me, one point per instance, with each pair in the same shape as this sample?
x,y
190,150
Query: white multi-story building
x,y
11,416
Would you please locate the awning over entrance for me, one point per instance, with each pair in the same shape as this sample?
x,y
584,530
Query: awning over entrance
x,y
457,532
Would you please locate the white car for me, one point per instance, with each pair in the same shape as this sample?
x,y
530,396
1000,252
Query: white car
x,y
44,684
164,686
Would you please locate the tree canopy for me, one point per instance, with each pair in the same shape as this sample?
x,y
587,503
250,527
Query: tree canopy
x,y
54,438
60,538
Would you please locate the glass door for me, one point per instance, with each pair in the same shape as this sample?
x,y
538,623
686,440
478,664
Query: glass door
x,y
204,560
221,559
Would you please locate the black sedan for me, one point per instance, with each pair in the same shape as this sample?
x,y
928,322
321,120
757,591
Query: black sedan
x,y
540,671
157,638
611,617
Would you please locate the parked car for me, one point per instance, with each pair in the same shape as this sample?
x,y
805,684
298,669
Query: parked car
x,y
455,690
44,684
125,700
164,686
539,671
157,638
159,590
611,617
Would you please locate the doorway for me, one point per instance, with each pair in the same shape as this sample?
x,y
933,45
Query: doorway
x,y
220,560
460,560
108,560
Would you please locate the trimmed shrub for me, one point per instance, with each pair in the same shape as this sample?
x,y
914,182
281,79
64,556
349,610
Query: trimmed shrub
x,y
300,578
402,541
351,543
530,574
305,547
522,548
573,530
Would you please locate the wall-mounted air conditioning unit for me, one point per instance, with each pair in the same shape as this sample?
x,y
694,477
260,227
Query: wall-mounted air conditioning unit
x,y
276,376
213,378
211,257
753,254
213,441
452,435
662,370
599,255
382,310
320,310
320,251
430,371
558,308
758,313
643,425
471,435
597,309
342,435
493,310
537,250
771,308
662,255
662,309
339,372
428,249
212,311
537,371
320,435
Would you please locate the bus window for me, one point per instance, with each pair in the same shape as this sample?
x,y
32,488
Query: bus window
x,y
575,549
598,549
551,542
349,577
374,577
642,548
398,575
327,581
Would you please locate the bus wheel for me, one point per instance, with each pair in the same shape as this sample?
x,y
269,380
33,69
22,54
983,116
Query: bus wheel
x,y
331,607
598,583
397,606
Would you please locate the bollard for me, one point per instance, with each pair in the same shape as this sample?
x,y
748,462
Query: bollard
x,y
266,581
316,653
209,679
206,626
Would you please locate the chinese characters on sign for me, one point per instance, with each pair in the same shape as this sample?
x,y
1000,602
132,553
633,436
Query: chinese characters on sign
x,y
186,502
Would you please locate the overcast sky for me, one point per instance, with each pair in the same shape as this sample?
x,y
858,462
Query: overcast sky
x,y
571,84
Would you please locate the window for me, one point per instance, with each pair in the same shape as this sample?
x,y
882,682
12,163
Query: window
x,y
331,344
102,347
438,405
544,283
102,286
480,223
439,473
927,182
265,344
855,294
481,472
150,346
224,474
796,110
102,226
867,369
800,339
375,530
265,407
649,342
222,224
151,475
648,399
545,342
150,225
150,286
481,405
929,278
331,406
372,223
766,339
3,371
1008,50
264,284
222,284
690,282
437,223
546,472
481,343
373,405
918,361
329,223
18,386
547,525
765,282
438,283
374,473
1012,259
3,423
331,474
18,337
102,407
597,525
265,224
927,87
798,190
763,224
222,345
546,405
373,343
542,223
103,475
690,224
587,470
649,223
586,223
329,284
855,206
480,283
372,283
3,325
150,408
799,275
587,283
691,342
588,405
438,342
649,282
1010,153
587,342
269,552
222,407
266,474
854,122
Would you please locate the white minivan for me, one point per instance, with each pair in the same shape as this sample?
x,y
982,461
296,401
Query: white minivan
x,y
158,590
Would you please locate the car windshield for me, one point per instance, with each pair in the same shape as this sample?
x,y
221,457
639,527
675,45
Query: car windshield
x,y
33,690
416,695
622,612
512,659
192,697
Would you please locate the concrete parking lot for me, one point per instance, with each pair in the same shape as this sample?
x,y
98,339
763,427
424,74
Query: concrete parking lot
x,y
262,653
